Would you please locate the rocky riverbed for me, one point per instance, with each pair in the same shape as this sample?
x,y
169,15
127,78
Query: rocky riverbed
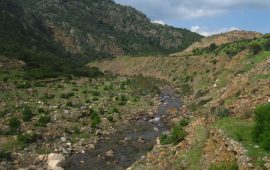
x,y
130,142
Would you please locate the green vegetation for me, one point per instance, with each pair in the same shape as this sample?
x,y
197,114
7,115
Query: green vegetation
x,y
43,120
224,166
14,124
27,138
262,126
241,130
222,112
27,114
177,134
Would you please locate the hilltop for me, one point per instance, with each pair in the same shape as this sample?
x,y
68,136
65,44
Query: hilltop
x,y
219,39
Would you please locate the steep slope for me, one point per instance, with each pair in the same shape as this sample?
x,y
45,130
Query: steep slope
x,y
220,39
89,28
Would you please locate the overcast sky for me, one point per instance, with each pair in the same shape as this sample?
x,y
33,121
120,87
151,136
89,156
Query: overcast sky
x,y
207,16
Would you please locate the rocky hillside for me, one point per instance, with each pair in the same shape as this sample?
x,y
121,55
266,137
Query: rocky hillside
x,y
221,87
88,28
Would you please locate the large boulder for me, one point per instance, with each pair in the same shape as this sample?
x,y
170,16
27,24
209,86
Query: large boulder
x,y
54,159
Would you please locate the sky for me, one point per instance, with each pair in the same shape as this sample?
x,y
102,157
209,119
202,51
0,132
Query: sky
x,y
207,17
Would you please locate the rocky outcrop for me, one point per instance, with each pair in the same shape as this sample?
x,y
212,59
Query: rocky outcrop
x,y
227,149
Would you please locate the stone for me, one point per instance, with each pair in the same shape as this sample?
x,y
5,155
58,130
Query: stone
x,y
63,139
92,146
141,140
41,157
54,159
109,153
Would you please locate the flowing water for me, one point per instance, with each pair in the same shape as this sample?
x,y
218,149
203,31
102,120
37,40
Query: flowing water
x,y
129,143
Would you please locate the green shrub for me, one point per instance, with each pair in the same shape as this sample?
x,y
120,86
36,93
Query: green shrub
x,y
255,47
115,110
69,104
41,110
261,128
122,103
221,112
183,122
14,124
95,121
267,45
5,155
178,134
95,99
95,93
43,120
123,98
67,95
27,138
110,118
212,47
165,139
27,114
5,79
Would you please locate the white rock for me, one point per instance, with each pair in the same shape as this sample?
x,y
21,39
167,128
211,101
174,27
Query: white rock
x,y
109,153
54,159
63,139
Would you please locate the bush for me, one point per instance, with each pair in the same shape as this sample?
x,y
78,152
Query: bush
x,y
183,122
267,45
44,120
67,95
222,112
262,126
69,104
95,119
41,110
255,48
110,118
14,124
212,47
123,98
95,93
27,114
178,134
95,99
5,155
115,110
27,138
165,139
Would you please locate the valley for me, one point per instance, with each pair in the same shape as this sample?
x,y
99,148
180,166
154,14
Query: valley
x,y
92,84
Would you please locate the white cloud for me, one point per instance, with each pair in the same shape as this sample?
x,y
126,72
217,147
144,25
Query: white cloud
x,y
207,32
186,9
159,22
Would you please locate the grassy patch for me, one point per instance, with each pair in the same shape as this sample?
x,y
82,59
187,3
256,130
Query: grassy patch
x,y
241,130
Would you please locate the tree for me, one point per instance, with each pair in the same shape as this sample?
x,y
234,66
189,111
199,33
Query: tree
x,y
267,45
212,47
255,48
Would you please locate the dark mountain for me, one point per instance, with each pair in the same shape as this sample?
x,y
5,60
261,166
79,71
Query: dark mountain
x,y
41,31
